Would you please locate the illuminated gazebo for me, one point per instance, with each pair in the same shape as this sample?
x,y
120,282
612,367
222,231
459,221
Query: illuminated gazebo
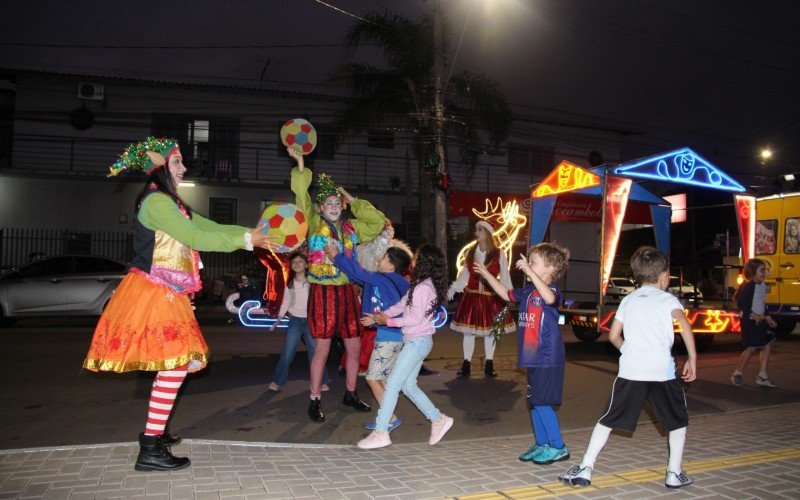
x,y
617,191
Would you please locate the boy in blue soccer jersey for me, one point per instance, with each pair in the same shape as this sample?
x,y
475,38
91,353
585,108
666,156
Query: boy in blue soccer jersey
x,y
540,347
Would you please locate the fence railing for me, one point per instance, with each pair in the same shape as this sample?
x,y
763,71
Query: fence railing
x,y
21,245
359,168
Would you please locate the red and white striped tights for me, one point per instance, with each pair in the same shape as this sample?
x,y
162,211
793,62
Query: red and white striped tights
x,y
162,399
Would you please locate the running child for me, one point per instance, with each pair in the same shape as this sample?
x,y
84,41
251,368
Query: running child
x,y
647,371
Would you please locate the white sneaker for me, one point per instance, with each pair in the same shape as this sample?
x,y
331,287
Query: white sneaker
x,y
577,476
439,429
677,480
765,381
375,440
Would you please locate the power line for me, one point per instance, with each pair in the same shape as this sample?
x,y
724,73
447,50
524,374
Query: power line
x,y
337,9
174,47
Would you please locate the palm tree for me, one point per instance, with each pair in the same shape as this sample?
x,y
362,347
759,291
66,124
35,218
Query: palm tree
x,y
402,95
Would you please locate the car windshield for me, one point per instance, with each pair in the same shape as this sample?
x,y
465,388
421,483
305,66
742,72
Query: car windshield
x,y
623,282
676,282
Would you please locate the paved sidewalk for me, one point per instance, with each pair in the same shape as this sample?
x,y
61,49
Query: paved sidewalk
x,y
747,454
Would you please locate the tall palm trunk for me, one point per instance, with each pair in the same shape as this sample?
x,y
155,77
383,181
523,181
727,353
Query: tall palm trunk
x,y
425,205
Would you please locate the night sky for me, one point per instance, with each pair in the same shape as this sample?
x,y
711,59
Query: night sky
x,y
721,76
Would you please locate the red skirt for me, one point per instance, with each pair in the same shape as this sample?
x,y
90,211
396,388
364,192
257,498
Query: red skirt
x,y
147,327
476,312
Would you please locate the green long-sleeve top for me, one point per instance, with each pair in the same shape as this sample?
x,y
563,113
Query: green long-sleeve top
x,y
165,242
159,212
367,223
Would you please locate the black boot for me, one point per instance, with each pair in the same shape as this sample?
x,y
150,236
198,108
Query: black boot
x,y
488,370
155,455
352,399
464,371
170,440
315,411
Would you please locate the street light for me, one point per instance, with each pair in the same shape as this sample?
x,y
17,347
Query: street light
x,y
765,154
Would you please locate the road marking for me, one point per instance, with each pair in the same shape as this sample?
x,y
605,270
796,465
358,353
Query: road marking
x,y
637,476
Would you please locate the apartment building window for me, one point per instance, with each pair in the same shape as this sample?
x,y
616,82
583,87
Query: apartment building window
x,y
380,138
530,160
205,141
223,210
6,126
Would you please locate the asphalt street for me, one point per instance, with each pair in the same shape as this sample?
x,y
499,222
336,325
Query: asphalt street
x,y
48,400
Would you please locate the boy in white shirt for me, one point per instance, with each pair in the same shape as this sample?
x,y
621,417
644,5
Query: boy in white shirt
x,y
647,370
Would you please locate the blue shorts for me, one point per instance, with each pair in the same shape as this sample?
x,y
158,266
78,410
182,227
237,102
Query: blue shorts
x,y
545,386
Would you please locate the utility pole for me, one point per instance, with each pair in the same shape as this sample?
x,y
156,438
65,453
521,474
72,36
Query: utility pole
x,y
440,194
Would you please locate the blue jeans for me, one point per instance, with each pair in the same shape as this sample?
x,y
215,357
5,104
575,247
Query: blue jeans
x,y
298,329
404,377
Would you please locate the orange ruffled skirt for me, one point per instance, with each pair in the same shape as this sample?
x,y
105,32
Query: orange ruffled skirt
x,y
147,327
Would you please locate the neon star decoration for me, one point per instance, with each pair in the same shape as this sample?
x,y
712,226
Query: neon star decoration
x,y
682,166
509,222
564,178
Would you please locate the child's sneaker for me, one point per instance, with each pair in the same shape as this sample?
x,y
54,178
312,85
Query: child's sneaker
x,y
394,424
439,429
577,476
532,452
375,440
549,455
737,379
677,480
765,381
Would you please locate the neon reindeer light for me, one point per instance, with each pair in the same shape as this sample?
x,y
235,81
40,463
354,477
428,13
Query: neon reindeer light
x,y
509,222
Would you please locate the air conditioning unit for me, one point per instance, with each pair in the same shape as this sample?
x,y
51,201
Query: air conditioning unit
x,y
93,91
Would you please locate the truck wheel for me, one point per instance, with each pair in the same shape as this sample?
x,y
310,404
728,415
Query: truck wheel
x,y
703,342
785,326
585,334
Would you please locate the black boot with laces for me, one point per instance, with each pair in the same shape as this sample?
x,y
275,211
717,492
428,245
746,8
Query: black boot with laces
x,y
315,411
464,371
352,399
154,455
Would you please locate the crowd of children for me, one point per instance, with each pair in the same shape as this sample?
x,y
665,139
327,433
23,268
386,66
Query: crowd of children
x,y
400,293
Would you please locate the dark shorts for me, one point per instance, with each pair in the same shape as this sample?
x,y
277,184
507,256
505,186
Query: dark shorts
x,y
334,310
666,399
545,386
755,335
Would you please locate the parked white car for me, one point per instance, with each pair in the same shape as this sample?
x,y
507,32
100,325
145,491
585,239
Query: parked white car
x,y
62,285
618,288
685,292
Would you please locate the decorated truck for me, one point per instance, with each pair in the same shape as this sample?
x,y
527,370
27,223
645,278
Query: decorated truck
x,y
585,209
777,242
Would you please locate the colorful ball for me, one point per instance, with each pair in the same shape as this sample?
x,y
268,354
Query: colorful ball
x,y
299,135
286,223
